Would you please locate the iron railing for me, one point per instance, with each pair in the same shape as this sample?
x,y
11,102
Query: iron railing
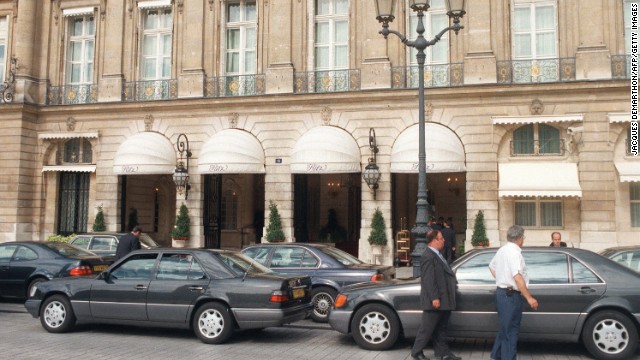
x,y
72,94
444,75
326,81
234,85
150,90
621,66
537,147
536,71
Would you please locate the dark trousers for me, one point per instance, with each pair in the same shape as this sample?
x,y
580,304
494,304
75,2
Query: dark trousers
x,y
433,326
509,316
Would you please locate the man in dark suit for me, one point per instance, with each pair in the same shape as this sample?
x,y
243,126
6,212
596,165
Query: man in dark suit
x,y
437,299
449,249
556,240
128,243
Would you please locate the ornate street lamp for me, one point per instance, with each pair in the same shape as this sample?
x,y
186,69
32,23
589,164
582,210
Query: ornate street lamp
x,y
455,11
181,173
371,174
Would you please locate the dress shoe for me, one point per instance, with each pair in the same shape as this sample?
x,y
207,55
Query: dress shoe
x,y
419,357
451,356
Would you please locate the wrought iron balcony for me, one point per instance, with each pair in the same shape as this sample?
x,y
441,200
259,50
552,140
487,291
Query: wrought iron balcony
x,y
72,94
536,71
621,66
236,85
444,75
552,147
150,90
326,81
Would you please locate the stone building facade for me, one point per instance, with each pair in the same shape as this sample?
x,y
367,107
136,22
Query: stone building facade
x,y
527,109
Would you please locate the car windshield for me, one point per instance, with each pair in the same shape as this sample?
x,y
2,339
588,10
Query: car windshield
x,y
148,241
341,256
242,264
65,249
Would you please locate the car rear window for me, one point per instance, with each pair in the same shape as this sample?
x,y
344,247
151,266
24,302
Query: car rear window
x,y
65,249
341,256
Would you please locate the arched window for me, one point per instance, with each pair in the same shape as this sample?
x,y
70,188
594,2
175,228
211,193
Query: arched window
x,y
537,139
76,151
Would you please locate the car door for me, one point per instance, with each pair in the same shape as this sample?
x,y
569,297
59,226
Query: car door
x,y
563,286
6,253
122,293
176,287
103,245
294,260
24,262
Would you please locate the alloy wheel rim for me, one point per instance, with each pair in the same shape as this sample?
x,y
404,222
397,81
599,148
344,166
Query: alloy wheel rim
x,y
54,314
211,323
375,327
321,304
610,336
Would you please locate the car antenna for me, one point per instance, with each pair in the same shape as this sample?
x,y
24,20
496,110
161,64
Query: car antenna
x,y
247,271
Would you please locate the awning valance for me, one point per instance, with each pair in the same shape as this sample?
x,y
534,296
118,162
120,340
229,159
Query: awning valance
x,y
68,135
70,168
325,150
619,117
232,151
535,119
154,4
78,11
443,148
629,171
545,179
145,153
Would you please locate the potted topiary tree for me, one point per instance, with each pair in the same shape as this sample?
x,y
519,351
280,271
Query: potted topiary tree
x,y
181,231
479,237
98,223
274,229
378,236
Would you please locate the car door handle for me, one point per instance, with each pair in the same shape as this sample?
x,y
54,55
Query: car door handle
x,y
196,288
4,268
586,290
141,287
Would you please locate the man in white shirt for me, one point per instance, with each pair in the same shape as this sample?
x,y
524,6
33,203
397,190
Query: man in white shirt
x,y
510,272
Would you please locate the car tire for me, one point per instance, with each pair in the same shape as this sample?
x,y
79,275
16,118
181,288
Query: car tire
x,y
322,299
610,335
375,327
56,314
213,323
32,284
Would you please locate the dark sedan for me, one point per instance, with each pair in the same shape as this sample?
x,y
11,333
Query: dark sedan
x,y
26,263
329,268
582,297
628,256
211,292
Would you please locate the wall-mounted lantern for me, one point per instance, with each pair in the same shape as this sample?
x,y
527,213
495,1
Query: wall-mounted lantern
x,y
371,174
181,174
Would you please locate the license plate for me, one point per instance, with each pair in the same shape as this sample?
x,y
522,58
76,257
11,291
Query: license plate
x,y
298,293
100,268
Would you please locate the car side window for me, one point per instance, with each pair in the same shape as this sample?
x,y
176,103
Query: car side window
x,y
179,267
24,254
81,242
103,243
476,270
288,257
581,274
546,267
135,267
6,252
309,260
258,254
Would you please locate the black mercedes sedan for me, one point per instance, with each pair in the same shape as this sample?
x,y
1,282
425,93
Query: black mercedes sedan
x,y
582,296
212,292
329,268
23,264
628,256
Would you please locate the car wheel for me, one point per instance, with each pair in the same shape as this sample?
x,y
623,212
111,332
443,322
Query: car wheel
x,y
322,299
610,335
56,314
375,327
213,323
32,285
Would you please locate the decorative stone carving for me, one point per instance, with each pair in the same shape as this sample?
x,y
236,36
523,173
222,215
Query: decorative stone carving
x,y
148,122
233,120
8,87
326,115
103,9
536,107
71,124
428,111
180,4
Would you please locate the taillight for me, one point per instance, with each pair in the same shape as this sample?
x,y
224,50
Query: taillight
x,y
377,277
279,297
81,270
341,300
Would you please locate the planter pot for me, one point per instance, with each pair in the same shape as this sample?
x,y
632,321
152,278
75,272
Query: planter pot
x,y
179,242
376,250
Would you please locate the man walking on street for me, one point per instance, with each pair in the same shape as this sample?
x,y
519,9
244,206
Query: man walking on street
x,y
128,243
509,270
437,299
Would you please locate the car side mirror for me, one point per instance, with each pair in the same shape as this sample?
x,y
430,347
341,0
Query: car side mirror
x,y
104,275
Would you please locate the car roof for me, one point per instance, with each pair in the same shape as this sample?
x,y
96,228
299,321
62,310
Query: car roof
x,y
305,245
621,248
